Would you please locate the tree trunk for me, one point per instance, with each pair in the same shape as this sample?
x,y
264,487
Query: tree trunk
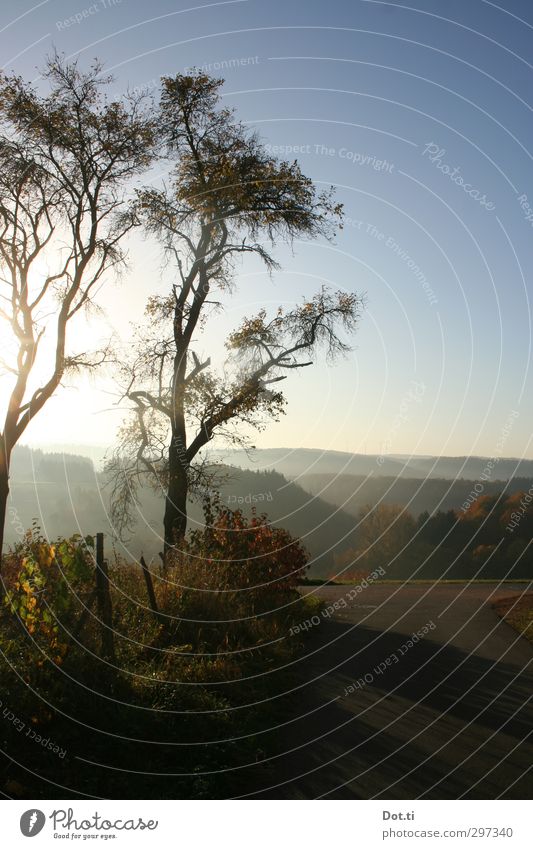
x,y
175,521
4,493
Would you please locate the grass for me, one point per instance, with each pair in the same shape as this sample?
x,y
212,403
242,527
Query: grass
x,y
518,613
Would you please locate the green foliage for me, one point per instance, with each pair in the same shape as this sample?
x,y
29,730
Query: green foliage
x,y
46,577
225,173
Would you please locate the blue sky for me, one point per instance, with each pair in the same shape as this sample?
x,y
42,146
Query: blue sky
x,y
395,104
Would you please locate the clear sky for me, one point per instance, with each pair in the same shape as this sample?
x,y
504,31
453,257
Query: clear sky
x,y
395,104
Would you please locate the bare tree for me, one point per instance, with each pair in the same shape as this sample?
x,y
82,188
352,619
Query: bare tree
x,y
227,198
66,161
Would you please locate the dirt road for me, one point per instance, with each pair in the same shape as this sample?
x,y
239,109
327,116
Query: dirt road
x,y
374,713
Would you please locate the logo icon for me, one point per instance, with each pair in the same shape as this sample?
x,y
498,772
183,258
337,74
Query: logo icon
x,y
32,822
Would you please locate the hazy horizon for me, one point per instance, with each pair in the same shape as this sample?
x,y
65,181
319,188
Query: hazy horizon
x,y
90,449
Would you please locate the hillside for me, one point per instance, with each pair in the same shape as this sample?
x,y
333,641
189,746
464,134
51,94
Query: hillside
x,y
293,462
352,492
66,495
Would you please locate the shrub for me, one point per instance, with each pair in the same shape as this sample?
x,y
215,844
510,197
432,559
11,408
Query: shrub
x,y
42,582
238,577
224,615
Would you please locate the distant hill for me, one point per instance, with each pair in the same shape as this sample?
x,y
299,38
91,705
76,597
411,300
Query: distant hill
x,y
66,495
96,453
293,462
352,492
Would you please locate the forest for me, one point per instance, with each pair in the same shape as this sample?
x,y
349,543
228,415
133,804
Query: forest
x,y
417,529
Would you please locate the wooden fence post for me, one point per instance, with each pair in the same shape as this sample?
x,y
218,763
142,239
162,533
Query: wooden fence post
x,y
105,609
150,589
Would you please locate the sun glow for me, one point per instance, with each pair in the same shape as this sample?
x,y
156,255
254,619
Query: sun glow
x,y
85,333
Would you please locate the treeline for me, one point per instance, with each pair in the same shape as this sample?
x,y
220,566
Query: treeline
x,y
33,465
66,494
353,492
491,539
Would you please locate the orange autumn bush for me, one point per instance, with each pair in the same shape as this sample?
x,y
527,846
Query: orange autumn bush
x,y
238,576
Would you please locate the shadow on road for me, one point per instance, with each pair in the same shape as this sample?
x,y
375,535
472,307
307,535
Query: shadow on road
x,y
435,723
